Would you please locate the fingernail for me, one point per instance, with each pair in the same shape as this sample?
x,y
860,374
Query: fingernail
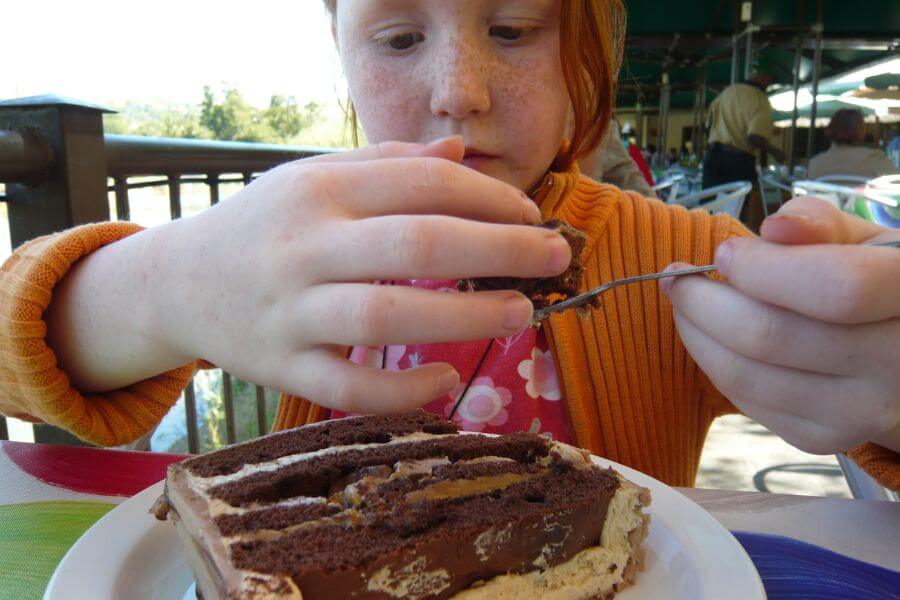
x,y
518,312
560,253
791,216
447,382
723,256
532,212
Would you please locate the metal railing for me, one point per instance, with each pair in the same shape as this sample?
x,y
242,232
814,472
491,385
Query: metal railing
x,y
53,149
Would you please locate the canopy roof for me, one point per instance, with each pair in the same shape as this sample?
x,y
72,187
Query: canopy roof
x,y
689,37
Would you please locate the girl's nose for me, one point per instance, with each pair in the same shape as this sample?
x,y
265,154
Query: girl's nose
x,y
460,87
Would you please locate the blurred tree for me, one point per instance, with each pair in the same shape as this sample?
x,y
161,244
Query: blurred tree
x,y
178,121
288,119
233,118
223,115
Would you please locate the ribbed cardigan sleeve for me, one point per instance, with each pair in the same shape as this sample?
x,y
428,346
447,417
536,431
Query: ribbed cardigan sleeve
x,y
32,387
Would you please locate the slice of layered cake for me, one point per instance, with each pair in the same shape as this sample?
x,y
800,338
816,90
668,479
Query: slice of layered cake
x,y
403,506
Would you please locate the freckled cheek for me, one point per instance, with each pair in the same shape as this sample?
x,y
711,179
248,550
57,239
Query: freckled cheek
x,y
536,116
547,89
387,101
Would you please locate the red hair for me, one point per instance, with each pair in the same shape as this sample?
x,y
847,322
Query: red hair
x,y
591,43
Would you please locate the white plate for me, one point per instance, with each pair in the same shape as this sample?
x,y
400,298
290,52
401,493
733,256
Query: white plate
x,y
130,555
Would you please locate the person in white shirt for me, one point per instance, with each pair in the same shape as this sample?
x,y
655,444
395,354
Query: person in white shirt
x,y
847,154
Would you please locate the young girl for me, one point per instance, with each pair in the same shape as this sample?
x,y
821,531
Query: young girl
x,y
274,284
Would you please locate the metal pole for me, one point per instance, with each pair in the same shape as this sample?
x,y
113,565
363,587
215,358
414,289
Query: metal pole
x,y
694,116
798,61
25,156
190,415
700,113
261,422
664,101
734,59
645,126
748,53
704,87
228,397
817,68
123,206
639,126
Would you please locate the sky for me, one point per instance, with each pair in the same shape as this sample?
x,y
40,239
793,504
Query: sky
x,y
108,52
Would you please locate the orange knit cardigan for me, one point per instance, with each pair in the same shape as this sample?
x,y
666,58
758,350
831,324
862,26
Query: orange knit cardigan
x,y
632,393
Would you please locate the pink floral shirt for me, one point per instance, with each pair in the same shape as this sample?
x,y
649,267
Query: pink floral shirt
x,y
516,388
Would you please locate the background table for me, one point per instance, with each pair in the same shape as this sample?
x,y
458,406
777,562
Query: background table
x,y
50,495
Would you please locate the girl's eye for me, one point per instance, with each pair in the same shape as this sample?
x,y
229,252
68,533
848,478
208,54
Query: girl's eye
x,y
507,33
405,41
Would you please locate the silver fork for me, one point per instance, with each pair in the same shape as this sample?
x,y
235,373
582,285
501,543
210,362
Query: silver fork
x,y
588,297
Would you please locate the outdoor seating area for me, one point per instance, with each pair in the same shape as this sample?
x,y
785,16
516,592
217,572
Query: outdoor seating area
x,y
751,496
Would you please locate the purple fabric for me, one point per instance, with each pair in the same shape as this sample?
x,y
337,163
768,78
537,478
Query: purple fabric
x,y
793,569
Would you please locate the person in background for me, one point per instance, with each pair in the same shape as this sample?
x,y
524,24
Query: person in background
x,y
893,149
650,153
612,163
740,125
847,154
672,157
637,155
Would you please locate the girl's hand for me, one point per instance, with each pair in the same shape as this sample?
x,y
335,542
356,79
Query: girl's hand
x,y
274,283
805,337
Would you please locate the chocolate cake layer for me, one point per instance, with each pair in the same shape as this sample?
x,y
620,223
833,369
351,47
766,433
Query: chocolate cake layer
x,y
340,432
277,517
315,477
417,514
547,521
545,291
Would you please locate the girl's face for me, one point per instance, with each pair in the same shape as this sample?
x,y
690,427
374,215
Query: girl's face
x,y
488,70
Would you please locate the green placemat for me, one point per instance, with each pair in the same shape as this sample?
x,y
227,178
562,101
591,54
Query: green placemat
x,y
33,539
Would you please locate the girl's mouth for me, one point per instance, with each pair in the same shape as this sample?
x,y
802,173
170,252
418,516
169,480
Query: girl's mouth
x,y
478,159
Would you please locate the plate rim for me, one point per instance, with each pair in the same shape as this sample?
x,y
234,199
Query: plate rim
x,y
116,550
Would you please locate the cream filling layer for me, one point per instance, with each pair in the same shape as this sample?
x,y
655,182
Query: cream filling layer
x,y
204,483
593,572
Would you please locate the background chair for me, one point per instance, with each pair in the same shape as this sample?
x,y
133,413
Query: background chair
x,y
727,198
667,189
771,189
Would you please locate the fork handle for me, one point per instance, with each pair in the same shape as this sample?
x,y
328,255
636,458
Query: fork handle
x,y
582,299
